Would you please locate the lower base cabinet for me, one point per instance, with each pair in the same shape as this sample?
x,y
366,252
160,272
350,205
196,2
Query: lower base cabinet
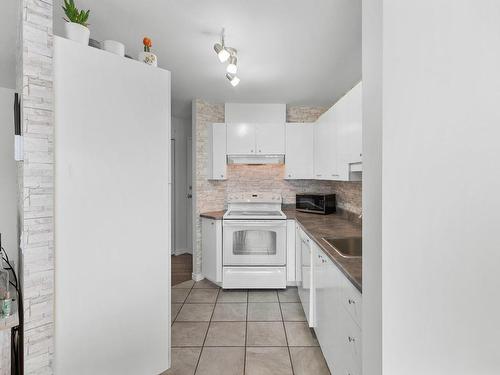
x,y
338,329
211,249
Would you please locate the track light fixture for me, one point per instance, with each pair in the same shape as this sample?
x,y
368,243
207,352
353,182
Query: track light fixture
x,y
233,79
232,67
225,53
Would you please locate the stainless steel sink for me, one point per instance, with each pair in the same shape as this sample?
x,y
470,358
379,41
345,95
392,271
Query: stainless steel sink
x,y
349,247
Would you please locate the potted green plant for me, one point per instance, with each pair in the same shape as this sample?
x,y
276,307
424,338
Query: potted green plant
x,y
76,23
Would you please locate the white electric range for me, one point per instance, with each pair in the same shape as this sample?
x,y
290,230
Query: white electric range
x,y
254,242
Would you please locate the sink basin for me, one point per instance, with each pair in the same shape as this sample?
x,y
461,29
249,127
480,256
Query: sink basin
x,y
349,247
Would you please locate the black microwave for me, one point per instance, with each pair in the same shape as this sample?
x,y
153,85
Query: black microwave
x,y
323,204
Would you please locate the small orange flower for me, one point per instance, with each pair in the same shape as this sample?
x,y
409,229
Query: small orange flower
x,y
147,42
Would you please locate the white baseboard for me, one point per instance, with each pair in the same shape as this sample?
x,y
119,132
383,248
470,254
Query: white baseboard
x,y
182,251
197,276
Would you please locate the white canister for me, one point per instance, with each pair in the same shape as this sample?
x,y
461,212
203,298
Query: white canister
x,y
77,32
114,47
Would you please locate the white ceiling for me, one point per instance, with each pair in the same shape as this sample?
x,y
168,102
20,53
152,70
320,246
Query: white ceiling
x,y
290,51
8,39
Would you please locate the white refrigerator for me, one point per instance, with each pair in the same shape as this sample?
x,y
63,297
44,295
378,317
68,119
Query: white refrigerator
x,y
112,213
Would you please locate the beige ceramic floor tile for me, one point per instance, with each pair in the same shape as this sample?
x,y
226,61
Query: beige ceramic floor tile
x,y
263,312
221,361
176,307
268,361
232,312
188,333
288,295
262,296
205,284
202,296
308,361
265,334
230,296
226,334
299,334
184,285
184,361
179,295
293,312
196,312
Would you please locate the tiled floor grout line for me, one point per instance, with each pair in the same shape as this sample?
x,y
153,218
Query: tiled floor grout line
x,y
286,336
246,338
206,333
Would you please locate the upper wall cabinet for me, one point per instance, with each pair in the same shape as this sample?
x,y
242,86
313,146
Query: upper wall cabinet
x,y
216,153
338,139
299,156
255,139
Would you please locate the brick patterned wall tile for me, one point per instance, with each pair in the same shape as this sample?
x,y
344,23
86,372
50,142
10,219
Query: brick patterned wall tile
x,y
36,182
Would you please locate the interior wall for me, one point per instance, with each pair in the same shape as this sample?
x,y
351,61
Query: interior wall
x,y
372,187
181,131
8,171
211,195
440,187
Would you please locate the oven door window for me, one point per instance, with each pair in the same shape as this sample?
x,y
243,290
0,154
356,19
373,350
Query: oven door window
x,y
254,242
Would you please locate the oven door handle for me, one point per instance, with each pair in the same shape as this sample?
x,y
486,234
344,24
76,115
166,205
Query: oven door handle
x,y
252,223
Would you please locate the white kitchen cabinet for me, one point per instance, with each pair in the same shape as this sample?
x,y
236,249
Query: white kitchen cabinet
x,y
211,247
338,317
349,129
255,139
270,139
299,151
306,286
325,147
298,259
290,252
240,139
338,139
217,165
327,280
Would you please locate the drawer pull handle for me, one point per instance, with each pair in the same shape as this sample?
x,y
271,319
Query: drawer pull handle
x,y
351,339
351,301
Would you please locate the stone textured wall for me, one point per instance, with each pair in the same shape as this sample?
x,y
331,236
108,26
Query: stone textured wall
x,y
211,195
36,181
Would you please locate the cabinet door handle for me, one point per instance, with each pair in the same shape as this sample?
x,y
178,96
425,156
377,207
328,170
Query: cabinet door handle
x,y
318,175
222,175
260,151
351,339
335,175
351,301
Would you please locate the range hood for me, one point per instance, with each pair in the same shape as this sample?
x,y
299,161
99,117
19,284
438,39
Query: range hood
x,y
255,159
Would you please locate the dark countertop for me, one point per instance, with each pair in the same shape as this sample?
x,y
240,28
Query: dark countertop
x,y
331,226
216,215
318,226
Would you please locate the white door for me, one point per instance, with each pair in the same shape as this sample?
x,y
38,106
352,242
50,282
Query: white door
x,y
261,242
299,156
240,139
112,217
270,138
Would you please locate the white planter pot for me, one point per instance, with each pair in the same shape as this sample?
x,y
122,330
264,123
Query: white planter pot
x,y
148,58
114,47
77,32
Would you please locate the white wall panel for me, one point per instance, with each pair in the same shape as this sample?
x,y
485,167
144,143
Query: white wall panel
x,y
112,146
